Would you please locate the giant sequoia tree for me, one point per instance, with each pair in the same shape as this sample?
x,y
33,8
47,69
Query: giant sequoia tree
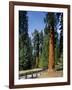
x,y
51,21
25,53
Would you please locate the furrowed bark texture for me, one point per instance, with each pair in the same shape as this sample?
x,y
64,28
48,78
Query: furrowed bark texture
x,y
51,51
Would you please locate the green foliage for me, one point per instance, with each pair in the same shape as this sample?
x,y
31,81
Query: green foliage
x,y
36,46
56,54
51,19
25,50
56,46
40,42
61,36
44,55
36,42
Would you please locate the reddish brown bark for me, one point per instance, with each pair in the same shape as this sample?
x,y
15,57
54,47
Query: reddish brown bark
x,y
51,59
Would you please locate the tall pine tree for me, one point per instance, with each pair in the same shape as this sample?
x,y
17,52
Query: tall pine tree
x,y
24,42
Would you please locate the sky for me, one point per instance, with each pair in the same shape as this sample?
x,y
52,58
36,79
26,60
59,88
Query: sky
x,y
35,21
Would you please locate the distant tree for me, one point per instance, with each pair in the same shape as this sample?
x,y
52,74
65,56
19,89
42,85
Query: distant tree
x,y
36,46
44,55
40,42
61,36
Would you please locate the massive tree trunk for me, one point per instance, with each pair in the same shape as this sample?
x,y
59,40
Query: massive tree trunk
x,y
51,62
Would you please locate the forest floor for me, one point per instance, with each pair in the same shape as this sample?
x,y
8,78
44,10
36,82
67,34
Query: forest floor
x,y
46,74
58,72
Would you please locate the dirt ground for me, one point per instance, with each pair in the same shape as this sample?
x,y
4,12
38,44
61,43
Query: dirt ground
x,y
46,74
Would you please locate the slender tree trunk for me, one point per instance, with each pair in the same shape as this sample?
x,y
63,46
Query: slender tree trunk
x,y
51,59
37,61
